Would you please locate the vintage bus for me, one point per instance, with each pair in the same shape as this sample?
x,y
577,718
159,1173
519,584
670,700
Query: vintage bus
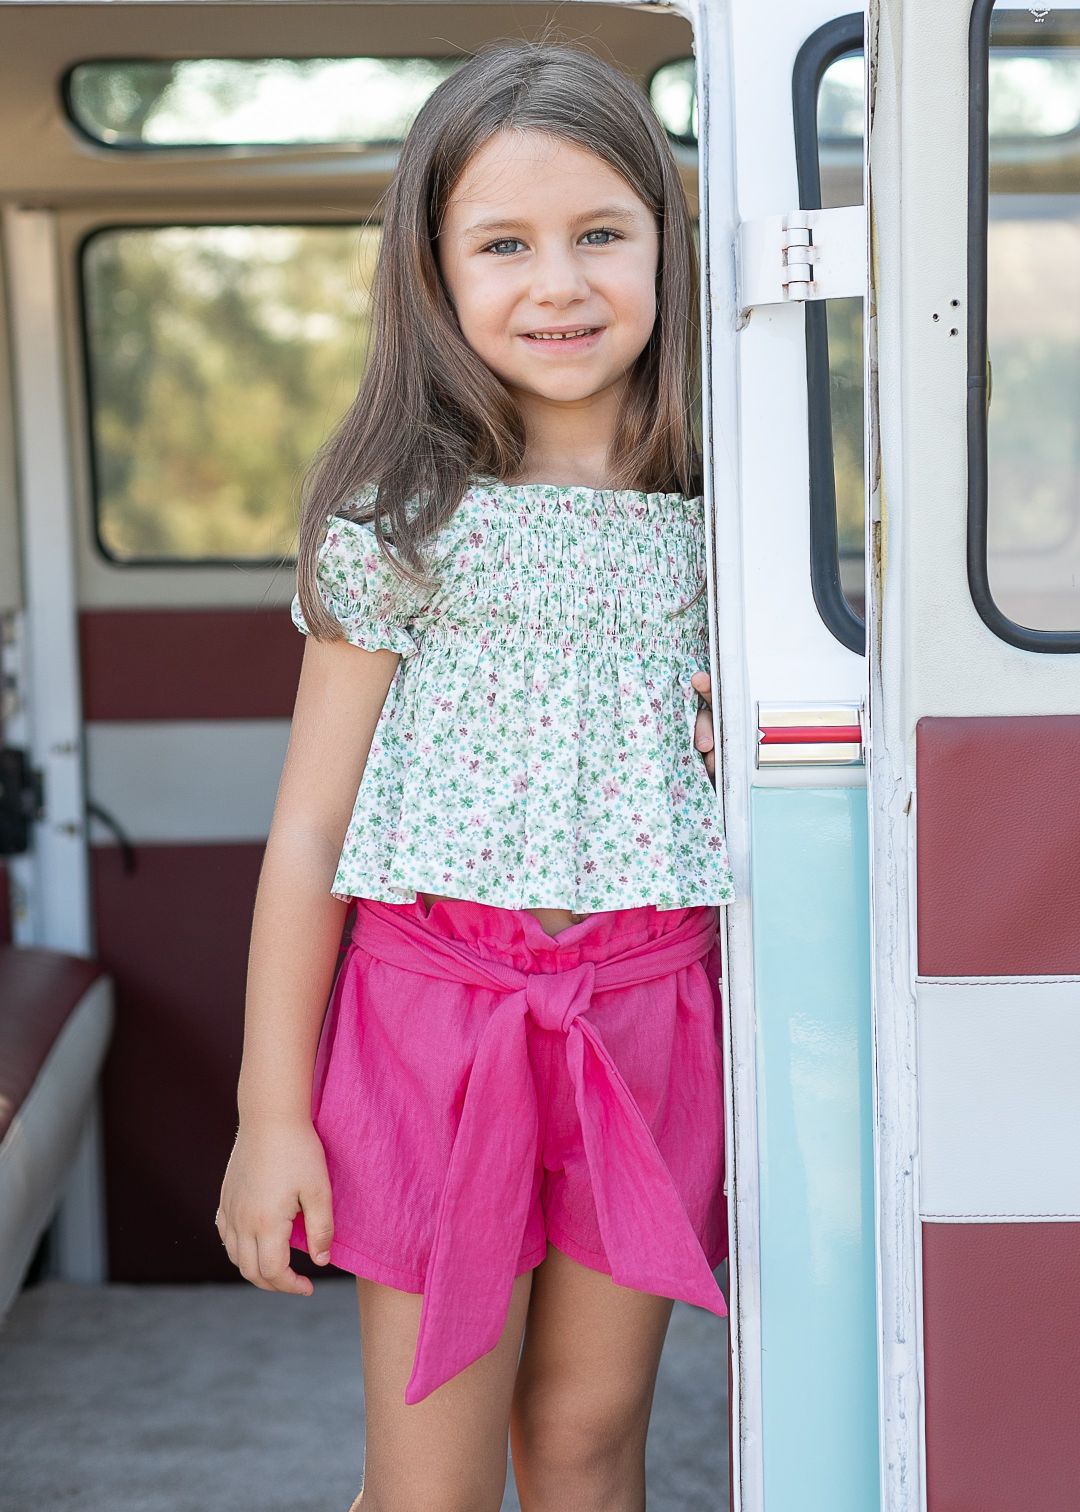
x,y
189,195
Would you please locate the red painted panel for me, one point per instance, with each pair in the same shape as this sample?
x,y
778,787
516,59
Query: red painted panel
x,y
39,990
1002,1357
998,845
189,663
174,935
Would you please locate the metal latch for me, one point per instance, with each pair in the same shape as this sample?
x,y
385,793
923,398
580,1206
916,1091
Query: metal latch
x,y
810,734
803,254
21,800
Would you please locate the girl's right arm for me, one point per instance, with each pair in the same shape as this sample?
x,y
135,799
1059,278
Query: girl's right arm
x,y
277,1163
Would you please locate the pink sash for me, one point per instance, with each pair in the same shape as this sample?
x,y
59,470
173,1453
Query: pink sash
x,y
649,1241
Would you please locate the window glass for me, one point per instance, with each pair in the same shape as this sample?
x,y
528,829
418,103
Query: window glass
x,y
840,149
218,358
1033,320
216,102
674,99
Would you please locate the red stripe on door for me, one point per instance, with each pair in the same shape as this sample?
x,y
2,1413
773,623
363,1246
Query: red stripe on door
x,y
998,841
1002,1358
189,663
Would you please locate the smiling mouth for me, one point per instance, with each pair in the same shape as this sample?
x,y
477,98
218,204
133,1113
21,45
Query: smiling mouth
x,y
562,335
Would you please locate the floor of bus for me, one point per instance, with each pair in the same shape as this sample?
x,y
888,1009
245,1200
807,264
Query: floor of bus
x,y
125,1398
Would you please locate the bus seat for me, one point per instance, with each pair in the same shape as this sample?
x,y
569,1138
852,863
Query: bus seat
x,y
56,1018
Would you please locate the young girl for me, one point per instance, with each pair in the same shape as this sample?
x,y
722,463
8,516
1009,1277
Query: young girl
x,y
509,1124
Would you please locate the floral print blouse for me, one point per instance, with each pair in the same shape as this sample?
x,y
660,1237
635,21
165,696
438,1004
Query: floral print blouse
x,y
536,745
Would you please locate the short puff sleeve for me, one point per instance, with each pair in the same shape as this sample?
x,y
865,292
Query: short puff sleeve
x,y
373,605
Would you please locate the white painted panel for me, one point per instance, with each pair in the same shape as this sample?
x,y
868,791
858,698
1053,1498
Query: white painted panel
x,y
999,1114
186,782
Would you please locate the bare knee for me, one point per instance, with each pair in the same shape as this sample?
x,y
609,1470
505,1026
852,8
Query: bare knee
x,y
584,1449
406,1496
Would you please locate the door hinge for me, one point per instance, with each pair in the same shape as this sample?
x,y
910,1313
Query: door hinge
x,y
21,800
801,255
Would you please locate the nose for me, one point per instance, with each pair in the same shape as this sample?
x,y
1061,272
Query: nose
x,y
558,278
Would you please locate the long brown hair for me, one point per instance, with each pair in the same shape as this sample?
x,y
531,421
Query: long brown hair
x,y
429,415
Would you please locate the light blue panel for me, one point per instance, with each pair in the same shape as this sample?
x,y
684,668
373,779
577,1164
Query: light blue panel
x,y
811,918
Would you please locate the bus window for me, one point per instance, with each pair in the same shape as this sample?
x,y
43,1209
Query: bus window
x,y
1024,422
216,357
827,87
218,102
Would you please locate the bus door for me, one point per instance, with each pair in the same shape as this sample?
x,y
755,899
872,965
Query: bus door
x,y
785,259
974,602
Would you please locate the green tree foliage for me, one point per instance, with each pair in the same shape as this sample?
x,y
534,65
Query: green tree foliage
x,y
220,357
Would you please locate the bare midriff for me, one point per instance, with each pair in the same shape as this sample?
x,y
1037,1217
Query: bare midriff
x,y
551,920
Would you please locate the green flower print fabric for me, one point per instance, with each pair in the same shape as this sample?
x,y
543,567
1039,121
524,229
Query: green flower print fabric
x,y
536,745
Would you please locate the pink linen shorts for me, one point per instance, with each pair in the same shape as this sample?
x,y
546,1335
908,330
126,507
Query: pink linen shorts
x,y
483,1088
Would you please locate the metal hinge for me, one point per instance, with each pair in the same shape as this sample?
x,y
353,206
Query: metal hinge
x,y
803,254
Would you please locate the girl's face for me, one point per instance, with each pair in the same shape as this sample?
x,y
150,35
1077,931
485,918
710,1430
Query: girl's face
x,y
541,237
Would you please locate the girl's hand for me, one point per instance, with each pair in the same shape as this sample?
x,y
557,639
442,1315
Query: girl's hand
x,y
275,1168
703,739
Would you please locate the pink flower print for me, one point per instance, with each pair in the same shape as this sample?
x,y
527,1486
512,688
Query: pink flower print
x,y
643,721
463,729
333,537
371,561
623,881
523,518
407,735
493,677
448,876
635,818
632,734
611,789
654,705
475,538
486,853
530,730
490,699
510,876
545,720
521,783
706,823
470,863
485,639
590,867
476,821
715,842
426,748
532,861
474,765
537,768
678,793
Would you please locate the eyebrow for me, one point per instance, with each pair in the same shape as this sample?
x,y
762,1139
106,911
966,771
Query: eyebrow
x,y
497,223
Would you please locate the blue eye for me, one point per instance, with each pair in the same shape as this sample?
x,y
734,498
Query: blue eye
x,y
513,241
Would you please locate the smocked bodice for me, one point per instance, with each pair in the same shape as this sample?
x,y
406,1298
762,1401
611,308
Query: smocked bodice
x,y
535,748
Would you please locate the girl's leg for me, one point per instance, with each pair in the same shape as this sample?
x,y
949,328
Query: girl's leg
x,y
584,1390
448,1452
